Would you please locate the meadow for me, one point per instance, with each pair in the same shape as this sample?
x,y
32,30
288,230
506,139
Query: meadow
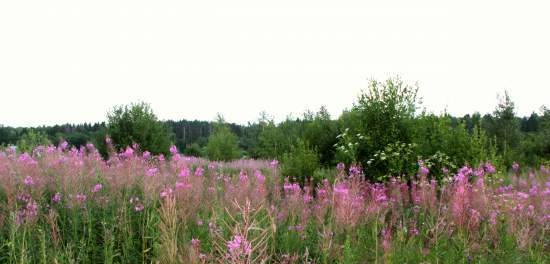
x,y
69,205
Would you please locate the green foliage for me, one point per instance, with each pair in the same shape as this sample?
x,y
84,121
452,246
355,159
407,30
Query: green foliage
x,y
222,144
300,163
383,115
136,123
193,150
31,139
396,159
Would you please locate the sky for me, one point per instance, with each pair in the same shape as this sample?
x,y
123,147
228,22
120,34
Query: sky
x,y
71,61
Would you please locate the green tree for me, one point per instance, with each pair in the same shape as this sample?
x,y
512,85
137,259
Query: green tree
x,y
222,144
506,129
383,115
31,139
300,162
137,123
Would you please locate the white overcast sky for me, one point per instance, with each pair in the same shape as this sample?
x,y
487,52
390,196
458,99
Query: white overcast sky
x,y
71,61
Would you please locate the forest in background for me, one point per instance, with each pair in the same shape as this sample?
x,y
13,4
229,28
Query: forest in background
x,y
386,130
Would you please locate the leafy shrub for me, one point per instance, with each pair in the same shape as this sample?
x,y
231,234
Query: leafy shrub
x,y
222,144
31,139
138,124
300,163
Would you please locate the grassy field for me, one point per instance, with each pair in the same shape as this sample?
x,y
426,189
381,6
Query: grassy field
x,y
63,205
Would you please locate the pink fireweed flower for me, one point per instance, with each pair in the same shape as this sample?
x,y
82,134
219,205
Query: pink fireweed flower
x,y
195,243
160,157
354,171
97,188
239,246
515,167
341,189
199,171
243,177
151,172
340,166
64,145
259,176
182,185
166,192
29,181
128,153
81,197
146,155
56,198
445,170
173,150
185,172
273,164
489,168
212,166
424,170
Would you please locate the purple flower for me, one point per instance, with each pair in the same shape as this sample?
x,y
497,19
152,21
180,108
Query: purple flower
x,y
166,192
239,246
81,197
146,155
185,172
515,166
129,152
424,170
273,164
195,243
97,188
64,145
173,150
151,172
199,171
340,166
56,198
259,176
29,181
489,168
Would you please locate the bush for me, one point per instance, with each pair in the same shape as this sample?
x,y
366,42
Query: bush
x,y
300,163
193,150
138,124
222,144
31,140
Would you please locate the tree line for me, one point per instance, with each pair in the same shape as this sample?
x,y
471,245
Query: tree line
x,y
386,132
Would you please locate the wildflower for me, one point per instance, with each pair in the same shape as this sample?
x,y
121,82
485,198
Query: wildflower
x,y
64,145
259,176
184,172
341,189
181,185
243,177
354,171
146,155
445,170
97,188
424,170
151,172
139,207
56,198
129,152
29,181
489,168
173,150
134,200
340,166
166,192
199,171
160,157
200,222
239,246
273,164
195,243
515,167
81,197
